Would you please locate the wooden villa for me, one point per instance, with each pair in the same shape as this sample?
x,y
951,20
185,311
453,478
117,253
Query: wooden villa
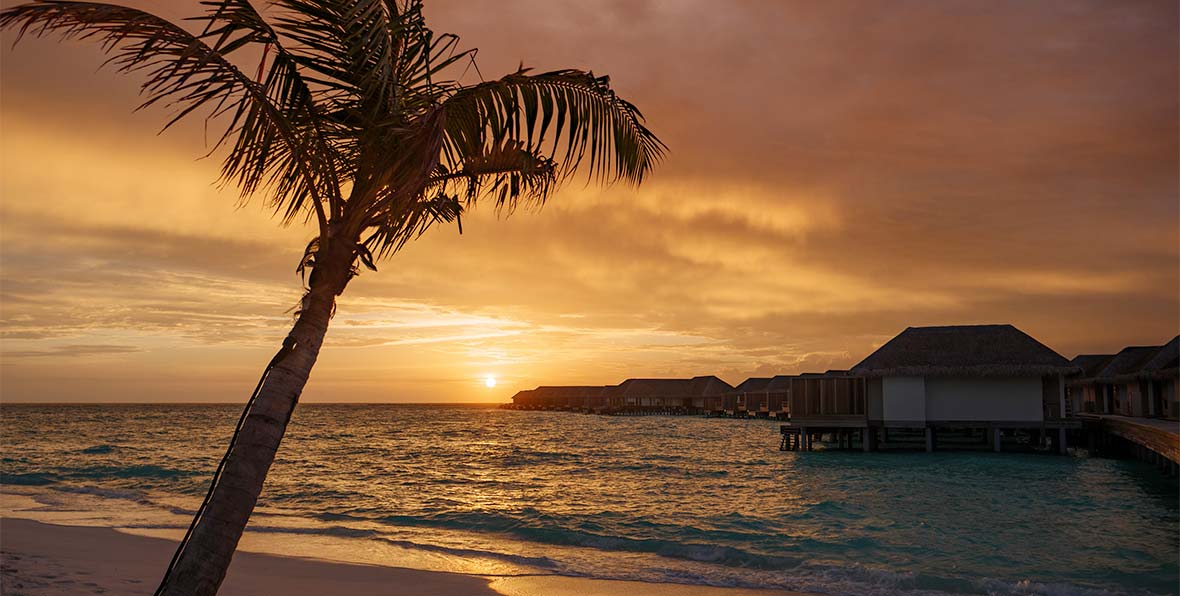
x,y
778,396
1139,381
697,395
571,398
986,379
750,392
1084,396
1160,381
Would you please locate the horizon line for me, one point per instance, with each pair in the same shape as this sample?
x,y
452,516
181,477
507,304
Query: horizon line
x,y
230,403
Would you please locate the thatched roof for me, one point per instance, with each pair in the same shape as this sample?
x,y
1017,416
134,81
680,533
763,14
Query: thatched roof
x,y
1090,364
1167,360
709,385
564,391
963,350
1127,362
780,383
653,387
752,384
1142,362
694,387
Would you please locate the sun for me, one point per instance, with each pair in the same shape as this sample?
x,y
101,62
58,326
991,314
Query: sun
x,y
490,381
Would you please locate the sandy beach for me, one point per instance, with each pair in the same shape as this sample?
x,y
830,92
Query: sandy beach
x,y
47,559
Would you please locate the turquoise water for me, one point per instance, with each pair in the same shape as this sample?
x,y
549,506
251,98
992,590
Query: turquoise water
x,y
668,499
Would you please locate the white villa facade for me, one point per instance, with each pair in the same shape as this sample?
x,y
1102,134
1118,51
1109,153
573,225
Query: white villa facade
x,y
974,379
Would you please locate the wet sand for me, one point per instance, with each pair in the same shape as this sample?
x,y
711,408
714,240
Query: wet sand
x,y
47,559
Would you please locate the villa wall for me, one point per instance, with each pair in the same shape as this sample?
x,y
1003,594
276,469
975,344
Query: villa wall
x,y
1001,399
909,400
904,399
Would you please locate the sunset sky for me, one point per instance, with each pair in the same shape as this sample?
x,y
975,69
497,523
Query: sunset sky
x,y
837,172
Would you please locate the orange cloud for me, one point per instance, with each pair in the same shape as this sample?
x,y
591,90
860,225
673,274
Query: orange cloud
x,y
839,171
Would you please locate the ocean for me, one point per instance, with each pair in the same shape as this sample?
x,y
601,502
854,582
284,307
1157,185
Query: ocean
x,y
660,499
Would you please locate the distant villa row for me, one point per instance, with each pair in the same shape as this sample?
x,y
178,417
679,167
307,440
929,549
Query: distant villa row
x,y
989,373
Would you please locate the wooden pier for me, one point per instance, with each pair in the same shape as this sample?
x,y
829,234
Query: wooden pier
x,y
1149,439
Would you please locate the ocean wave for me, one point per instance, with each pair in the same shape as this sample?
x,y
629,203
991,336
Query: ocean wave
x,y
98,449
135,471
541,562
107,493
534,526
747,568
338,531
29,479
684,471
1026,587
860,580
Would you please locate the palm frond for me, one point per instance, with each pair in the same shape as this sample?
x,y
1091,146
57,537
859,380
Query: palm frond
x,y
508,172
186,74
374,52
563,114
390,230
236,24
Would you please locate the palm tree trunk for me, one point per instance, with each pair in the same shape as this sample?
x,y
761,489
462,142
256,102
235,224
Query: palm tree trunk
x,y
202,566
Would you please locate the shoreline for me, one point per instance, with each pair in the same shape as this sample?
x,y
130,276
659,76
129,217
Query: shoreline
x,y
53,559
42,558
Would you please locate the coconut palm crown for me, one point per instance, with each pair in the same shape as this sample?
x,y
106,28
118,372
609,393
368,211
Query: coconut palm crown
x,y
348,114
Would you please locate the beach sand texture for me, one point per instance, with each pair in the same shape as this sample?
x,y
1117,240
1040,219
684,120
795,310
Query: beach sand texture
x,y
53,560
59,560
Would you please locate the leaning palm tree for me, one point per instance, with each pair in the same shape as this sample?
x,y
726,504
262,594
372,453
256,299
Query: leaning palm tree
x,y
343,114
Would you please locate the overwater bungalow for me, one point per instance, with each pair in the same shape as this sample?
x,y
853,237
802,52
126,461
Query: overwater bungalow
x,y
978,378
1160,381
566,397
1139,381
524,400
671,396
698,394
751,391
1108,394
1084,397
808,393
778,396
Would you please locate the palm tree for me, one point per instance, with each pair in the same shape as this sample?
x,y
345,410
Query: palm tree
x,y
340,113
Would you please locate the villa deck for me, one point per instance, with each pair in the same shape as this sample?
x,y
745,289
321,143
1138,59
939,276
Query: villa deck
x,y
1161,437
